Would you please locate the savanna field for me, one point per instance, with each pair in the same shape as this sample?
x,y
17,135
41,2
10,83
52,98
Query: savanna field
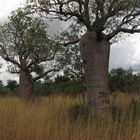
x,y
52,118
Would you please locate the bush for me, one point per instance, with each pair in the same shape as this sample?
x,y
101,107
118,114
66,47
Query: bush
x,y
5,91
116,113
70,88
79,111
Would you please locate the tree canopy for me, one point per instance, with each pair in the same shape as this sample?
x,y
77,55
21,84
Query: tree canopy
x,y
25,37
108,16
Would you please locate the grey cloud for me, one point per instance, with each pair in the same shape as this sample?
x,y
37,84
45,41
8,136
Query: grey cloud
x,y
125,54
56,26
136,68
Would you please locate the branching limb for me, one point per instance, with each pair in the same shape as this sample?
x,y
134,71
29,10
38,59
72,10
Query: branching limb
x,y
45,73
126,20
70,42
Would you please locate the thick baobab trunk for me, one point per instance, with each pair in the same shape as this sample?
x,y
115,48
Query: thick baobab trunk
x,y
25,88
25,83
95,55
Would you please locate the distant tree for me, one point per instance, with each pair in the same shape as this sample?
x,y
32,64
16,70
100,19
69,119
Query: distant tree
x,y
61,79
66,85
1,83
26,45
121,80
100,21
12,85
136,84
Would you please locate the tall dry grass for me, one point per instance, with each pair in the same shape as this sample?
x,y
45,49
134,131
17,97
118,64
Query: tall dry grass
x,y
47,119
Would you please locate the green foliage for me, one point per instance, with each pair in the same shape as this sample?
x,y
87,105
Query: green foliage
x,y
61,85
79,111
26,43
4,91
68,86
9,89
123,81
12,85
43,90
38,69
1,83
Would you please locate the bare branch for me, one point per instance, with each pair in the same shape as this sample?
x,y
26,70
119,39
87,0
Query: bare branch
x,y
13,70
6,57
130,31
69,43
45,73
12,61
126,20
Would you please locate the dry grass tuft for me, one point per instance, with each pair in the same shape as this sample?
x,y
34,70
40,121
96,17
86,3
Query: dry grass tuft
x,y
47,119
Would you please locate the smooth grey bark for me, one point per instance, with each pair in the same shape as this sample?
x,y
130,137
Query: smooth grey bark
x,y
25,82
95,52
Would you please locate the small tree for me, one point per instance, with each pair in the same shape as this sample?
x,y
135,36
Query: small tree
x,y
121,80
1,83
12,85
25,44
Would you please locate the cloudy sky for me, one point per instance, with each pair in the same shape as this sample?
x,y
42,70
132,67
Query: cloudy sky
x,y
125,53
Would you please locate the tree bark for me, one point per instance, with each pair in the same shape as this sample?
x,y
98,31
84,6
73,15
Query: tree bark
x,y
95,55
25,83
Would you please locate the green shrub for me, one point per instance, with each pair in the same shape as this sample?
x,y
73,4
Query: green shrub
x,y
70,88
116,113
79,111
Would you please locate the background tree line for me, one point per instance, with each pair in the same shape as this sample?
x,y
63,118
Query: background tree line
x,y
120,80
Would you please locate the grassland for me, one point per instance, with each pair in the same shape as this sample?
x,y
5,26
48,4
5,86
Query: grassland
x,y
47,119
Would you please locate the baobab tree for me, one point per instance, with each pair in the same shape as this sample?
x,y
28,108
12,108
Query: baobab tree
x,y
26,46
103,20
